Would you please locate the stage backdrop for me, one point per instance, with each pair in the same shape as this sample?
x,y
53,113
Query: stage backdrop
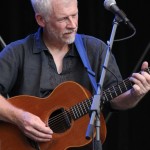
x,y
127,130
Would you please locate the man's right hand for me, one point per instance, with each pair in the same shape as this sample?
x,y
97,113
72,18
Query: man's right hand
x,y
33,127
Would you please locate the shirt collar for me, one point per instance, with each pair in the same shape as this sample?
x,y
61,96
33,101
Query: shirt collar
x,y
72,50
38,42
39,45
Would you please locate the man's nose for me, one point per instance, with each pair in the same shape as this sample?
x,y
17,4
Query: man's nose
x,y
72,22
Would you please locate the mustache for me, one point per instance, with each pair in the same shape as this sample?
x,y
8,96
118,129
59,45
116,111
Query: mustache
x,y
70,31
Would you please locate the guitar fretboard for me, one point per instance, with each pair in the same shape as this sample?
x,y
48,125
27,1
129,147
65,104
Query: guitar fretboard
x,y
80,109
117,90
83,107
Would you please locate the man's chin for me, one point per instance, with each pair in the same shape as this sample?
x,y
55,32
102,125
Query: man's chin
x,y
69,39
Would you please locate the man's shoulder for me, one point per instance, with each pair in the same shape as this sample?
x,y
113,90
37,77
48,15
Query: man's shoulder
x,y
19,46
20,42
91,39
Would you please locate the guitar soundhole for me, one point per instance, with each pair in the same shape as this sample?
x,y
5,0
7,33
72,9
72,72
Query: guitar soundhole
x,y
60,121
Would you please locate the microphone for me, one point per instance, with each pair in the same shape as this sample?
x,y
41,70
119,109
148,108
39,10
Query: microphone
x,y
111,6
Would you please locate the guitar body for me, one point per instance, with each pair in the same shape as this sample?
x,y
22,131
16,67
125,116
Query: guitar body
x,y
59,102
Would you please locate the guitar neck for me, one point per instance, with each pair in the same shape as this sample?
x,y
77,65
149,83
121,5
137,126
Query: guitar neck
x,y
118,89
83,107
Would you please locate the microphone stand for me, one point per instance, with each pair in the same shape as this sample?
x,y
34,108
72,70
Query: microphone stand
x,y
95,107
2,43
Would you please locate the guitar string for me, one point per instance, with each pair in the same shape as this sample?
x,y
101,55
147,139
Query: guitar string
x,y
61,116
129,82
108,93
58,127
70,111
62,124
126,83
116,88
65,112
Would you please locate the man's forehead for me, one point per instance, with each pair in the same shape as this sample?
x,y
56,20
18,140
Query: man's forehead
x,y
62,8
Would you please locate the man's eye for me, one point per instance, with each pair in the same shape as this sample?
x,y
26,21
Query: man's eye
x,y
62,19
74,15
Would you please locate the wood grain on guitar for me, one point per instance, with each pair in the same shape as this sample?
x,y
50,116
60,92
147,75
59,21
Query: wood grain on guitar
x,y
66,111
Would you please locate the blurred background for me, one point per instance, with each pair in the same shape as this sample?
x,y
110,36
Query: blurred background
x,y
126,130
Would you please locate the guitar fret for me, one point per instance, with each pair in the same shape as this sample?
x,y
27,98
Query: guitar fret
x,y
89,103
118,89
80,109
80,105
105,96
128,84
125,85
87,106
110,93
124,88
77,110
115,91
84,109
74,112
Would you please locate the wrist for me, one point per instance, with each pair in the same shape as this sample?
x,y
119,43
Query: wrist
x,y
16,115
135,96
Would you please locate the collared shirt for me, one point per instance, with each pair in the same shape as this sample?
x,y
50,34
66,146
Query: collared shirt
x,y
27,67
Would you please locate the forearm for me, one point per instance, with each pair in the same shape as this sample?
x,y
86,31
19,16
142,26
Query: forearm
x,y
125,101
31,125
8,112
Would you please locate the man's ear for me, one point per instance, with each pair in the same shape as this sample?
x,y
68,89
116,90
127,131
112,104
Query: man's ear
x,y
40,20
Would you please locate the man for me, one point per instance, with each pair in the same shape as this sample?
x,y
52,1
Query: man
x,y
40,62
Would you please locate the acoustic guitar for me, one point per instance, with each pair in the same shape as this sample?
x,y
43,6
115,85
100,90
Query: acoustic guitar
x,y
65,111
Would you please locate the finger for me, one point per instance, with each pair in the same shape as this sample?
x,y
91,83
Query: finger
x,y
42,131
37,138
37,135
140,80
144,65
39,125
147,76
43,128
137,78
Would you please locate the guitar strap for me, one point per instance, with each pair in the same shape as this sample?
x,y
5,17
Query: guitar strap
x,y
82,52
